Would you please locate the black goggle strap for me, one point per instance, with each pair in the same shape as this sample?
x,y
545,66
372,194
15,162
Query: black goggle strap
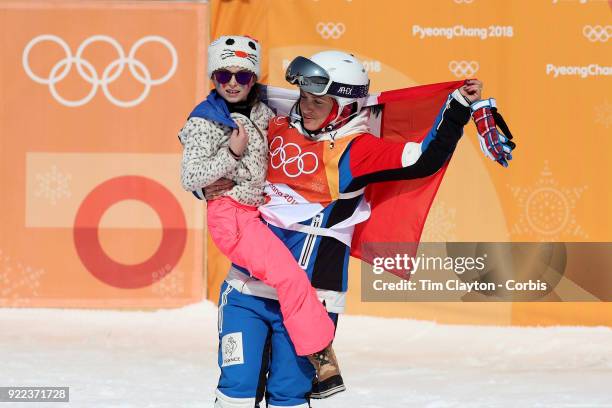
x,y
335,89
348,91
306,73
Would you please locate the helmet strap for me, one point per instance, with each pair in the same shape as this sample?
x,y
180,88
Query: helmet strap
x,y
333,114
348,112
332,122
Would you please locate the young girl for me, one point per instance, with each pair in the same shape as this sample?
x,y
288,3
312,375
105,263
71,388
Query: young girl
x,y
225,136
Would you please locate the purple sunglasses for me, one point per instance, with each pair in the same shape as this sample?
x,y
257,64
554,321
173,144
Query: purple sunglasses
x,y
223,76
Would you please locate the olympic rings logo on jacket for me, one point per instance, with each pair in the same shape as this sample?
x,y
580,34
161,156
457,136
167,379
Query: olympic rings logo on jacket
x,y
279,157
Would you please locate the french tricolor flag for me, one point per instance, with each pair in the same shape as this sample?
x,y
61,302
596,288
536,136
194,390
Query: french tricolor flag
x,y
399,208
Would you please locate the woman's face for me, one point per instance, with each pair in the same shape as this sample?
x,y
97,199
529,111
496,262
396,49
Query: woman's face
x,y
232,91
315,109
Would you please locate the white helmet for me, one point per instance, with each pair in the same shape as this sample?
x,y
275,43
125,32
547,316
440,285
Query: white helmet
x,y
334,73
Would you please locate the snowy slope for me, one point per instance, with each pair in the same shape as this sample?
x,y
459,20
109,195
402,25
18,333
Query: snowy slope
x,y
167,358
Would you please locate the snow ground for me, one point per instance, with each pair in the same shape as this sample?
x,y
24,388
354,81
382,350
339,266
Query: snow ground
x,y
167,358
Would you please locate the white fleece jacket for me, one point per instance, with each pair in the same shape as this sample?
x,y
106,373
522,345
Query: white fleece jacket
x,y
206,157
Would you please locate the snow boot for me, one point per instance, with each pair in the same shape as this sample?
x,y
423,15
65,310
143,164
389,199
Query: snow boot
x,y
328,380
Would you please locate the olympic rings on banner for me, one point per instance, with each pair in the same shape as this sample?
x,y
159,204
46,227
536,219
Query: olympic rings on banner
x,y
331,30
463,69
597,33
88,72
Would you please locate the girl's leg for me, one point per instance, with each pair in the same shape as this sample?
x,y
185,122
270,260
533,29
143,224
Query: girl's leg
x,y
267,258
328,380
240,234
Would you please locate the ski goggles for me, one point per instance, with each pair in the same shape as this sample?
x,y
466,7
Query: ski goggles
x,y
223,76
314,79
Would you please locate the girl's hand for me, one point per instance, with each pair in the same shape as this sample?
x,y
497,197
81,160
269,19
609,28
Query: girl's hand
x,y
238,140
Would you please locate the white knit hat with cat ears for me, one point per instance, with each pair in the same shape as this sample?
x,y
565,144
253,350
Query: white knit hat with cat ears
x,y
233,50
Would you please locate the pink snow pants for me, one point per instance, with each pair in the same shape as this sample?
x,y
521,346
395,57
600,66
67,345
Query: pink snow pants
x,y
240,234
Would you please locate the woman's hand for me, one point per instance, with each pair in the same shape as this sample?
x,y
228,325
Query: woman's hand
x,y
472,90
218,188
238,140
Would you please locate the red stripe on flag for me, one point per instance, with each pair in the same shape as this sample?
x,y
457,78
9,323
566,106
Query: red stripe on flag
x,y
400,208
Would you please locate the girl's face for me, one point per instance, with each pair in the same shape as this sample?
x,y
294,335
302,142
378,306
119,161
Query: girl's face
x,y
315,109
232,91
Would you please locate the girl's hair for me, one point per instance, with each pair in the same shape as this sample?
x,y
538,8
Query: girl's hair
x,y
254,95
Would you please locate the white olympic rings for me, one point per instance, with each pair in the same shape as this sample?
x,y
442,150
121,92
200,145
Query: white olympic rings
x,y
463,68
87,71
278,158
331,30
597,33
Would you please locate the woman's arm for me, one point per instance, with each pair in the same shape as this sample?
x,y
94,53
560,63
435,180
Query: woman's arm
x,y
372,159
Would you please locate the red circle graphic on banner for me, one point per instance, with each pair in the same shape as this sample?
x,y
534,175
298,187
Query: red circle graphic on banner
x,y
89,248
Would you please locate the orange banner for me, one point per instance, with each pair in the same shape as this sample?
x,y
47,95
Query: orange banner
x,y
93,96
94,92
549,66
